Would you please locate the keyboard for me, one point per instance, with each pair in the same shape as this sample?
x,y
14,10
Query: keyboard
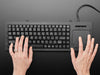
x,y
48,36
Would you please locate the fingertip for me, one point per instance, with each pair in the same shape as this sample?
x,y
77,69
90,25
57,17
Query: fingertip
x,y
72,54
10,49
31,49
11,44
27,37
80,37
22,36
72,50
89,35
97,45
93,39
17,37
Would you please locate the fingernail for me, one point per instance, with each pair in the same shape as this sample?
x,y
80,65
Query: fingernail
x,y
27,37
80,37
97,44
22,36
89,34
93,39
31,47
11,43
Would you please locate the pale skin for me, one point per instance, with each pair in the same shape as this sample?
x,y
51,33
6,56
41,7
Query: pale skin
x,y
22,60
85,57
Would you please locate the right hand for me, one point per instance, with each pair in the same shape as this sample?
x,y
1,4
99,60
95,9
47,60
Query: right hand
x,y
85,57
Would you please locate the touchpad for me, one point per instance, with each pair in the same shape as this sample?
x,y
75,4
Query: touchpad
x,y
83,34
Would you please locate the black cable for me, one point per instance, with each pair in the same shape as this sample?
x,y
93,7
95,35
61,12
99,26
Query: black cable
x,y
85,5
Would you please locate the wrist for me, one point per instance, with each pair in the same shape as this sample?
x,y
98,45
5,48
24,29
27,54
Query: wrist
x,y
83,73
19,72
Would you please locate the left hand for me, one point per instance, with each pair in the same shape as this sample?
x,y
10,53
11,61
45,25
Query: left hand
x,y
21,59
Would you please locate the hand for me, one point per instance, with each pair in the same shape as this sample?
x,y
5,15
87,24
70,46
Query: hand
x,y
85,57
21,59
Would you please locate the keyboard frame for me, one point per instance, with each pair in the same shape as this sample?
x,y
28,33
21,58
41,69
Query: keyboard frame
x,y
72,28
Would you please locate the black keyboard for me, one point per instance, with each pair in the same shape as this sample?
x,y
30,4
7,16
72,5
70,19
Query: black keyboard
x,y
42,36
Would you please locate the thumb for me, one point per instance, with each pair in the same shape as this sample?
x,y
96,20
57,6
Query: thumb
x,y
30,54
73,55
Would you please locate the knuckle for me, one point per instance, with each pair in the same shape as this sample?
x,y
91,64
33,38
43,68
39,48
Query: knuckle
x,y
24,56
18,56
25,45
20,45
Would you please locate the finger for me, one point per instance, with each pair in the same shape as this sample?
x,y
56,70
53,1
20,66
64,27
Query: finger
x,y
26,46
20,44
88,43
80,45
73,55
94,52
30,54
11,50
92,46
16,43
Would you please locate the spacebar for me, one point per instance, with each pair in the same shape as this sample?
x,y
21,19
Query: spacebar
x,y
37,46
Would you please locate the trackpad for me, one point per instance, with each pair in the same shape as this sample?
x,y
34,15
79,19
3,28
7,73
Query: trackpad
x,y
78,33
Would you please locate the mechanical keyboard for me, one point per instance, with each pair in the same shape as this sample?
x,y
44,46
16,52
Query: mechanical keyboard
x,y
48,36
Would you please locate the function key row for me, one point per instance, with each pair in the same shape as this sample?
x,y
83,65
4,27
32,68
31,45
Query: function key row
x,y
37,25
